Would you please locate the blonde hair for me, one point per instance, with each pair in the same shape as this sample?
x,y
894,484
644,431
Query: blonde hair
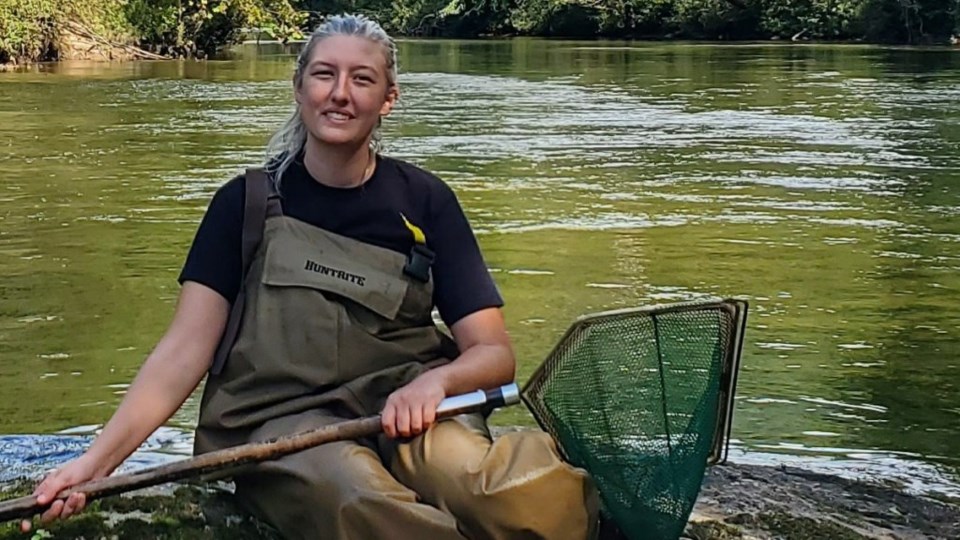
x,y
289,140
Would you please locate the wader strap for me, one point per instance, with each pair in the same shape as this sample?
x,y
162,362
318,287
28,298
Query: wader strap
x,y
254,215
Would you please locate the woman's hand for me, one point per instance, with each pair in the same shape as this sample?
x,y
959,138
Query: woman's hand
x,y
411,409
485,361
75,472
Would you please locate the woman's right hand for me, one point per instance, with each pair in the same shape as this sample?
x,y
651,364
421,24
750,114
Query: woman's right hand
x,y
75,472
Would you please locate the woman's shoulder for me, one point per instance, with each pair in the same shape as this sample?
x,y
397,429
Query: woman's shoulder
x,y
227,201
414,175
233,189
233,192
234,186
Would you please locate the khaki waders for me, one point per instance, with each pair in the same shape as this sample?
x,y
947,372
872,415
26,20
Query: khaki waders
x,y
331,326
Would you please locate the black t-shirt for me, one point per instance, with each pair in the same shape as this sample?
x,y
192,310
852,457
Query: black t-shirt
x,y
369,213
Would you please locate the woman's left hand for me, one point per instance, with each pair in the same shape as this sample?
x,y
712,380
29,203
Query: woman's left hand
x,y
411,409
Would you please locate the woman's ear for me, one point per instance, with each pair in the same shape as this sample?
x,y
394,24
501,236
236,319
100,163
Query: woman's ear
x,y
393,93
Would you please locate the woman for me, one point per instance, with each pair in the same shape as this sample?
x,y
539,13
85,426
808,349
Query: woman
x,y
357,249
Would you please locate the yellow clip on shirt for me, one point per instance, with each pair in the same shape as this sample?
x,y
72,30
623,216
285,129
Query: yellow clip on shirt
x,y
418,235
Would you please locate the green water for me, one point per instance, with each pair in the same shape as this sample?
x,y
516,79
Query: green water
x,y
819,182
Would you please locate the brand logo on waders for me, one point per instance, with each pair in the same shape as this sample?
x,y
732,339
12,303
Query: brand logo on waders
x,y
313,266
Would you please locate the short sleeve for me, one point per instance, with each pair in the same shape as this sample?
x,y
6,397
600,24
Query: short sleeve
x,y
215,257
462,282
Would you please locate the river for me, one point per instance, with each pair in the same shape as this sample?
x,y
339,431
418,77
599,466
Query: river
x,y
819,182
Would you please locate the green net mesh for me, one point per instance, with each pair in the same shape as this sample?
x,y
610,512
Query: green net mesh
x,y
641,399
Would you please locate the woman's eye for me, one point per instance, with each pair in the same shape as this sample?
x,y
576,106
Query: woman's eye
x,y
365,79
323,73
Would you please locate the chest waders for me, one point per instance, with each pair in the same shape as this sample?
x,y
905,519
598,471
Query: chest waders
x,y
330,327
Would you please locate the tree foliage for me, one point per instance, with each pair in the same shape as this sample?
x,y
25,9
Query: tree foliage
x,y
905,21
29,29
200,27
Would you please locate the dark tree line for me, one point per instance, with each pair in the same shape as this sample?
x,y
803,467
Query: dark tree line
x,y
28,28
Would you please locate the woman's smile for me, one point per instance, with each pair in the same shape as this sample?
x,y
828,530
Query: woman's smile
x,y
338,116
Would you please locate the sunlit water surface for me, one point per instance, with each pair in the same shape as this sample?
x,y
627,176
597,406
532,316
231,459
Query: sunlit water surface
x,y
819,182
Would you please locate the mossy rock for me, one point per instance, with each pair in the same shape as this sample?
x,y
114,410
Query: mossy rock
x,y
184,512
783,525
712,530
737,502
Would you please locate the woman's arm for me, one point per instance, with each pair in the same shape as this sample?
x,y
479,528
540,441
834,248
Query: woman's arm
x,y
168,376
486,361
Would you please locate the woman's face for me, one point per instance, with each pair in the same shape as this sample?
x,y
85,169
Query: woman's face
x,y
345,90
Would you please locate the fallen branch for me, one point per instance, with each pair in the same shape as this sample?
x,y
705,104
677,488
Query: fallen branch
x,y
137,52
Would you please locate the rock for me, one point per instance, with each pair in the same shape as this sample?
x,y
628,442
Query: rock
x,y
177,511
736,502
784,502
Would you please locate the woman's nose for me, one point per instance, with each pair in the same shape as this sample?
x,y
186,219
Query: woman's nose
x,y
340,91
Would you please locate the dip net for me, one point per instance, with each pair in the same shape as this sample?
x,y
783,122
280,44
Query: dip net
x,y
642,399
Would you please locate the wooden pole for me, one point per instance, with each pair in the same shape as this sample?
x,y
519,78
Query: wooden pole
x,y
231,458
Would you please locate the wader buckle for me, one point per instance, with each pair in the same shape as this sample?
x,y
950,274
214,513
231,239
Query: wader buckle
x,y
418,263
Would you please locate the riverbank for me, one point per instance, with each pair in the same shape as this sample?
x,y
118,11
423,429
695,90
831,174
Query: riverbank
x,y
79,42
29,28
75,41
737,502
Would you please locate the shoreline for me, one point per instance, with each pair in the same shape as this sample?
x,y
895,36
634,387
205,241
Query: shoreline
x,y
84,48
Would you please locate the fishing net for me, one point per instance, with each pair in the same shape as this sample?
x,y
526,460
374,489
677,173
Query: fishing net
x,y
642,399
